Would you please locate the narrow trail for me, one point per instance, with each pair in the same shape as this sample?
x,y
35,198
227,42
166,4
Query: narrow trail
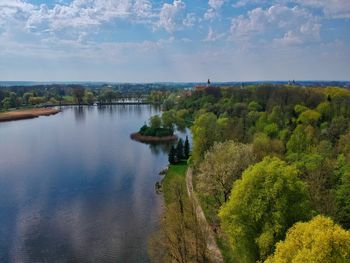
x,y
215,253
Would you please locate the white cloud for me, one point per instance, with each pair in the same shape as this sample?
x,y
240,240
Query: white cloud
x,y
171,16
143,8
214,8
213,36
331,8
289,25
76,15
190,20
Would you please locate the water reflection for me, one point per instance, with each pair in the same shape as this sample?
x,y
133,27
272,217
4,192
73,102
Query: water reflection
x,y
78,194
79,113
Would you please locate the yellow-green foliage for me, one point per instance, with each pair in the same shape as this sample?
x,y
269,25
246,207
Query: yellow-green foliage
x,y
309,117
263,205
317,241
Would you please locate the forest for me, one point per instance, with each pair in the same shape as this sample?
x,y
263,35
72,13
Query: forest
x,y
271,169
15,97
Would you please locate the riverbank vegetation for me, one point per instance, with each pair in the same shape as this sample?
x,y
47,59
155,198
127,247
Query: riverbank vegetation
x,y
269,159
15,97
27,114
181,237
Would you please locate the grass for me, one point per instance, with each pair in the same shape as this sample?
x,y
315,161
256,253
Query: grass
x,y
176,173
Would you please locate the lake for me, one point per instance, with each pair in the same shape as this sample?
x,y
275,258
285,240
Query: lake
x,y
75,188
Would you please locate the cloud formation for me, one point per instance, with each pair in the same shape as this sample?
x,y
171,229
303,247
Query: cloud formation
x,y
293,25
128,32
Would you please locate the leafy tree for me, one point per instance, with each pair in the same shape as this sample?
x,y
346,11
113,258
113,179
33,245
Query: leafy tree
x,y
223,164
300,108
89,97
26,97
263,146
301,140
182,237
182,118
254,106
78,94
267,201
317,241
168,119
309,117
342,192
155,122
6,103
204,134
187,148
325,109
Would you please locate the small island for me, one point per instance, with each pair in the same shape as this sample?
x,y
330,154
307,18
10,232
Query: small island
x,y
27,114
157,131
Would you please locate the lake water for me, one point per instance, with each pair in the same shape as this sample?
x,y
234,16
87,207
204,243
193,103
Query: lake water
x,y
75,188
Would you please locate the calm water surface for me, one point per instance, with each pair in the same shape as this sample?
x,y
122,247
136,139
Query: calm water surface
x,y
75,188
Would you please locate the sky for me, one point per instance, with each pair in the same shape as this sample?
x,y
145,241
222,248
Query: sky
x,y
174,40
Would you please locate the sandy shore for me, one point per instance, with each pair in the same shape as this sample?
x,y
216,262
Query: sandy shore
x,y
152,139
26,114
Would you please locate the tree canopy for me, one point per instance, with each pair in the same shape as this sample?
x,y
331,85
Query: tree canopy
x,y
268,200
318,241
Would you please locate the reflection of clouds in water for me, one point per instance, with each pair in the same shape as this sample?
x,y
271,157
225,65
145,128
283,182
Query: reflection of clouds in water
x,y
79,192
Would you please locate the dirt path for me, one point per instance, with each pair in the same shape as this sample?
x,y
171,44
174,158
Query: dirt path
x,y
215,252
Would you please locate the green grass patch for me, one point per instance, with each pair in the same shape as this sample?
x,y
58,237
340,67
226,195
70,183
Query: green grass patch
x,y
176,173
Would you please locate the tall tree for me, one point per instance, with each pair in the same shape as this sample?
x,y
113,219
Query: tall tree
x,y
180,150
223,164
204,135
317,241
172,155
187,148
263,205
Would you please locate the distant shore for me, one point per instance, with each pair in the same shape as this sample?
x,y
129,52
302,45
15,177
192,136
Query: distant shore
x,y
152,139
26,114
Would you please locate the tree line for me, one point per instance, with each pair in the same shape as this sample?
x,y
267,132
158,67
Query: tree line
x,y
64,94
272,162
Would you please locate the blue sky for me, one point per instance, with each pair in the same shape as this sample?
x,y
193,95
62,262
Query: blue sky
x,y
175,40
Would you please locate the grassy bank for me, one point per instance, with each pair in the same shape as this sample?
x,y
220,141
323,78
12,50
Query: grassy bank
x,y
176,173
207,204
26,114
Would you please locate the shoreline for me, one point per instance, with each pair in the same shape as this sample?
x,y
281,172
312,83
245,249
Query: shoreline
x,y
27,114
152,139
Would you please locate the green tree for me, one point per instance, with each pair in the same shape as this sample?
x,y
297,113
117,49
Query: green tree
x,y
204,134
264,146
168,119
317,241
155,122
342,192
301,140
78,94
89,97
172,155
180,150
254,106
223,164
309,117
187,148
263,205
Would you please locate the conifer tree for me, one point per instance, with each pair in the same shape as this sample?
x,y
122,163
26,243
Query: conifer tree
x,y
180,150
172,155
187,148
